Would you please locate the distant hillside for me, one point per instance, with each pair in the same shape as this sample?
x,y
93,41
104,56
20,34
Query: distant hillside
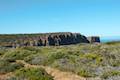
x,y
44,39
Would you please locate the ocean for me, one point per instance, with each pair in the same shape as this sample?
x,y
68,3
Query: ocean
x,y
109,39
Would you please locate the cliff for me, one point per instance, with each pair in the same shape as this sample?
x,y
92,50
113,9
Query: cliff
x,y
46,39
93,39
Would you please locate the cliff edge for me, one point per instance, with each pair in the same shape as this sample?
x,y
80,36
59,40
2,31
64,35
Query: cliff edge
x,y
46,39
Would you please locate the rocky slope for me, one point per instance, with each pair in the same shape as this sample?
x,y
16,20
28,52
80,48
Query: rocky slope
x,y
46,39
53,39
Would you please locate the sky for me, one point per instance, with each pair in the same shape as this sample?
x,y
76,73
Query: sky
x,y
88,17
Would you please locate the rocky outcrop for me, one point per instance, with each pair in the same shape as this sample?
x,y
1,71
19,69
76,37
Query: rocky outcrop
x,y
48,39
94,39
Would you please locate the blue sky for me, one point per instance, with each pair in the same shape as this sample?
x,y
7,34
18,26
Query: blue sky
x,y
89,17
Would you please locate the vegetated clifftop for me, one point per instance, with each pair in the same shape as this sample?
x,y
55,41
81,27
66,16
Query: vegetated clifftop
x,y
46,39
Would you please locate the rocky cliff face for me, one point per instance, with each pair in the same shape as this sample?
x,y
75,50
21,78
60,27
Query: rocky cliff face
x,y
48,39
93,39
52,39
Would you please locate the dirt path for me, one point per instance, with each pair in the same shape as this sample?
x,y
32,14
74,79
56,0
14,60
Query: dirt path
x,y
5,76
57,74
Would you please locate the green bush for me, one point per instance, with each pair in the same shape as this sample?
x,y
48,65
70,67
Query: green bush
x,y
84,73
30,48
6,66
3,51
31,74
16,55
91,59
37,59
105,75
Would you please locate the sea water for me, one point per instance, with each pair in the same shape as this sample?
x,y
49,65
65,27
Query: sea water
x,y
109,39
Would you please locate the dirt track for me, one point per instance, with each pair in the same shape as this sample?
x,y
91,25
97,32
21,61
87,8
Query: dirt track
x,y
57,74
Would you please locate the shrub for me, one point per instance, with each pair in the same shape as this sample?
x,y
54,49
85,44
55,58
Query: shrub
x,y
31,74
84,73
55,56
6,66
37,59
30,48
3,51
64,64
92,58
108,74
16,55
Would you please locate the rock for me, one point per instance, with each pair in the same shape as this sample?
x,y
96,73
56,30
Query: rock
x,y
94,39
47,39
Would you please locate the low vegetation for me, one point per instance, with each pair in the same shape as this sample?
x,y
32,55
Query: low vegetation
x,y
110,73
87,60
6,67
30,74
